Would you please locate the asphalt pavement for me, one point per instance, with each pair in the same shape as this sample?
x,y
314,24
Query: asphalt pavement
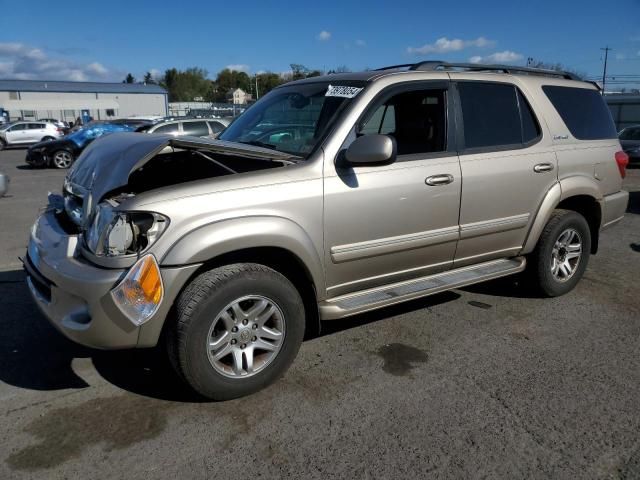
x,y
484,382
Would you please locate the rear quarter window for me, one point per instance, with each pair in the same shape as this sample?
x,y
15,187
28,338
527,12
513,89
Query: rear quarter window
x,y
583,111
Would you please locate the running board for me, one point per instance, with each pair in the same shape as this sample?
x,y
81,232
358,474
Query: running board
x,y
354,303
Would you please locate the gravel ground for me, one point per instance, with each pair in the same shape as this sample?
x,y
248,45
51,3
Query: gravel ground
x,y
483,382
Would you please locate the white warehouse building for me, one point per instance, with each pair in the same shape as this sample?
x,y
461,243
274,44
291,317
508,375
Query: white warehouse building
x,y
35,99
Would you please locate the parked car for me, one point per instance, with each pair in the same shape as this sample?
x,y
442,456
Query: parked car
x,y
413,182
24,133
190,126
62,153
630,140
57,123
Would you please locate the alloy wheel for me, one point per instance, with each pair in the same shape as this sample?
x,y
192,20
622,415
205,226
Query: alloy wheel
x,y
566,254
246,336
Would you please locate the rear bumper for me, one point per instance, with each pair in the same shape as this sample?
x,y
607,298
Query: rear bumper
x,y
75,295
613,208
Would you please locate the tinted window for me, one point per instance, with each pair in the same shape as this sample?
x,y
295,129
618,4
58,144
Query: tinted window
x,y
20,126
36,126
169,128
382,121
583,111
491,117
530,126
630,134
216,127
416,119
197,129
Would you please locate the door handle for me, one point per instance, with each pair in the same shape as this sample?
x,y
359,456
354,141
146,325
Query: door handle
x,y
436,180
543,167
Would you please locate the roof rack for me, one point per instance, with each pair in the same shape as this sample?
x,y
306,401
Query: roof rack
x,y
433,65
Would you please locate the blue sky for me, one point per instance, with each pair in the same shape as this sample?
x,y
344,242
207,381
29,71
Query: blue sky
x,y
104,40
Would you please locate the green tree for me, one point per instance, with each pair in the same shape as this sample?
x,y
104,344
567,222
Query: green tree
x,y
148,79
129,79
268,81
187,85
228,80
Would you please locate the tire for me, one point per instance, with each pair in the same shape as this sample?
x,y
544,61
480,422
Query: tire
x,y
62,159
3,144
554,267
206,315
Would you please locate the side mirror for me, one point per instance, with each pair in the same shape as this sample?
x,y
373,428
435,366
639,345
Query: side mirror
x,y
372,149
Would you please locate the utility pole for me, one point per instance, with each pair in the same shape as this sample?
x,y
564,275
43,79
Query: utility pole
x,y
604,72
257,95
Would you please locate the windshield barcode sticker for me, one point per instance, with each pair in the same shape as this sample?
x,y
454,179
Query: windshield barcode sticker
x,y
342,91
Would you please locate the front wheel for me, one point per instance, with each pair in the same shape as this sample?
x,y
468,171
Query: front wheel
x,y
237,329
562,253
62,159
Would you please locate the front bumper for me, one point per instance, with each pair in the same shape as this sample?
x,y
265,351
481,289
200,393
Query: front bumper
x,y
75,295
36,158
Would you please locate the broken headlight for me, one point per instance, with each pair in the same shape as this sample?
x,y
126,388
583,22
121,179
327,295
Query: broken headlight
x,y
115,233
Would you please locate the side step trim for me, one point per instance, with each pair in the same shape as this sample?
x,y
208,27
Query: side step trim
x,y
379,297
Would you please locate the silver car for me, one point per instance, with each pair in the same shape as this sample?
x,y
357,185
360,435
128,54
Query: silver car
x,y
329,197
28,132
197,127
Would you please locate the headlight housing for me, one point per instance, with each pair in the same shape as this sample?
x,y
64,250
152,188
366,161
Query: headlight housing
x,y
116,233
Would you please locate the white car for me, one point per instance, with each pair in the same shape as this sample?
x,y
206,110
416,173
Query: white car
x,y
24,133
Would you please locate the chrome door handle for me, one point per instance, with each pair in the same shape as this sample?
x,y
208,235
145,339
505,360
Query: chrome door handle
x,y
436,180
543,167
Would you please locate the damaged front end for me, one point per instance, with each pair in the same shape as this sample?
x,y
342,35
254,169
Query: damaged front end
x,y
121,166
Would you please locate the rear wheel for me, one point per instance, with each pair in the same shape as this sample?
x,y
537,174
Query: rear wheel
x,y
62,159
3,144
562,253
237,329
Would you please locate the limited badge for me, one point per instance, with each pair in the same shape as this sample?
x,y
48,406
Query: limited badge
x,y
342,91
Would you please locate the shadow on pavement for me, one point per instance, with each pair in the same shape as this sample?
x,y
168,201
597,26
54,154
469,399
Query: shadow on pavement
x,y
35,356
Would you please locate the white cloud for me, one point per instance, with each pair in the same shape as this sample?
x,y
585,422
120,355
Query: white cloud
x,y
323,36
445,45
97,68
361,43
506,56
238,67
24,62
155,73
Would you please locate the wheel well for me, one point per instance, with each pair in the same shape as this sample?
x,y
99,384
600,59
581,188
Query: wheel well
x,y
589,208
284,262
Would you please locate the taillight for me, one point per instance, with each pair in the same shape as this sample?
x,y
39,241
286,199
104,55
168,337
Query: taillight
x,y
622,159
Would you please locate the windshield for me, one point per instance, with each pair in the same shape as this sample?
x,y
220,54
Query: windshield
x,y
293,119
85,135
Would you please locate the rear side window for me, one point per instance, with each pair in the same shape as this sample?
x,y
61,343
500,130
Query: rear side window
x,y
496,115
197,129
583,111
530,127
169,128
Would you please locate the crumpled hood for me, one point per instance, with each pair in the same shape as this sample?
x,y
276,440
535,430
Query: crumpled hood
x,y
106,164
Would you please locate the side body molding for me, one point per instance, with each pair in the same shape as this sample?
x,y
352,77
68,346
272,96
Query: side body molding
x,y
565,188
218,238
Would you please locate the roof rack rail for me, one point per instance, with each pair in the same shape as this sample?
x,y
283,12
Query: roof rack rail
x,y
433,65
